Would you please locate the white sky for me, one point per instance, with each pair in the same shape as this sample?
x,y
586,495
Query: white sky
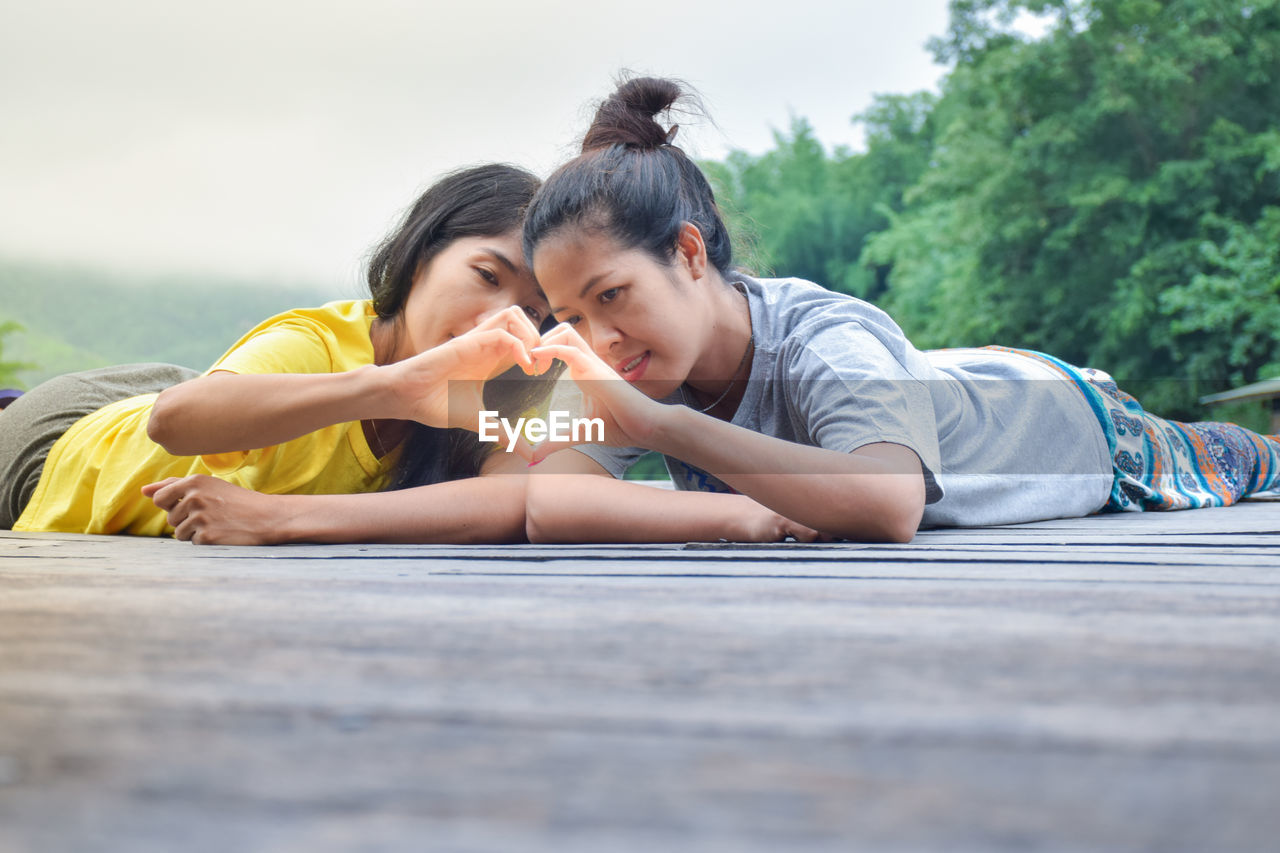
x,y
276,140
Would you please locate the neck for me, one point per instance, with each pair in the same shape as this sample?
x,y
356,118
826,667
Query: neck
x,y
724,357
384,335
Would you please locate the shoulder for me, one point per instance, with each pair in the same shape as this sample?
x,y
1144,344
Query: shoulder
x,y
331,337
340,316
801,323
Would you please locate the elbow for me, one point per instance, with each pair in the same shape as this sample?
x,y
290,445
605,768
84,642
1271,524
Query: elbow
x,y
902,517
901,529
895,517
160,428
540,526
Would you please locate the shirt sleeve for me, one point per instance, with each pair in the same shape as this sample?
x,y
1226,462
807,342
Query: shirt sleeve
x,y
615,460
846,389
293,345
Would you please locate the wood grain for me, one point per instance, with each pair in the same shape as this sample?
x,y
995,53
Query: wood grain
x,y
1096,684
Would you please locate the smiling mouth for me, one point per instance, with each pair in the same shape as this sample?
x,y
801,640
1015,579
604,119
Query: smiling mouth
x,y
633,368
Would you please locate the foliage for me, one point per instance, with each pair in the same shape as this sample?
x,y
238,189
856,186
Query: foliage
x,y
1101,193
9,369
648,467
1107,192
74,319
807,214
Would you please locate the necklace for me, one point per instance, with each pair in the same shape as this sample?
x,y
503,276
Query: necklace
x,y
746,356
381,450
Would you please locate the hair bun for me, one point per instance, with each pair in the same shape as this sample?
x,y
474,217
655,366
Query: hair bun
x,y
627,116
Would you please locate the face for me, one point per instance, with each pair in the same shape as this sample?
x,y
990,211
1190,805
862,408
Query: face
x,y
642,317
466,282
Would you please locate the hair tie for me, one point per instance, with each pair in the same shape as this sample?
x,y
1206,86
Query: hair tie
x,y
671,134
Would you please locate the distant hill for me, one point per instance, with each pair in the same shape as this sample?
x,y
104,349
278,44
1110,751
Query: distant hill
x,y
75,319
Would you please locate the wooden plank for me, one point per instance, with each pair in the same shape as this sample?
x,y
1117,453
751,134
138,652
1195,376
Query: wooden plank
x,y
947,694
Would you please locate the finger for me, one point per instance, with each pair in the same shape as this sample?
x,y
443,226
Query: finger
x,y
546,448
514,321
542,362
567,335
511,320
519,324
557,329
184,529
150,489
169,493
179,511
524,450
519,350
500,342
800,533
579,362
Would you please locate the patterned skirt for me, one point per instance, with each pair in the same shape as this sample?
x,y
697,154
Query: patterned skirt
x,y
1161,464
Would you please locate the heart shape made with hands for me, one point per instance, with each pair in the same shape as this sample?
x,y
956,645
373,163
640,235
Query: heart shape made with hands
x,y
613,411
625,416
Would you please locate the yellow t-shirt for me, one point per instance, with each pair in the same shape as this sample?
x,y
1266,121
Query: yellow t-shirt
x,y
93,478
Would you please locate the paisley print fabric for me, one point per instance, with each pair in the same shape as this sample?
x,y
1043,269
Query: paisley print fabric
x,y
1161,464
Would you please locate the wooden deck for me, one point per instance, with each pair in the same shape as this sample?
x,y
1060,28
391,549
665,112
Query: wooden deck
x,y
1099,684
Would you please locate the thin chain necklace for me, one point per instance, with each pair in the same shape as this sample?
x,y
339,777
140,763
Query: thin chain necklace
x,y
381,450
746,356
751,347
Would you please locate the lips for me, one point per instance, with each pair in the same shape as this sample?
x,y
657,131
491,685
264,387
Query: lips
x,y
633,367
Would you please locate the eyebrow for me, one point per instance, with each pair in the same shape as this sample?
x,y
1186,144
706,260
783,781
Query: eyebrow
x,y
503,259
591,282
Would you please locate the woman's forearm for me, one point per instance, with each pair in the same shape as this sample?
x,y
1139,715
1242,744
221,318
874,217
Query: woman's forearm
x,y
208,510
874,493
589,508
479,510
225,412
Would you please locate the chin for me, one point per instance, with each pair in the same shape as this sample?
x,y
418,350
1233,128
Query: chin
x,y
657,389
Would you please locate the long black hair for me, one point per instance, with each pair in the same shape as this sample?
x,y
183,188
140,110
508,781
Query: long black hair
x,y
630,182
482,201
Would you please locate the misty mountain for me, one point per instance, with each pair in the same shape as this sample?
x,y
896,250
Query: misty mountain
x,y
75,319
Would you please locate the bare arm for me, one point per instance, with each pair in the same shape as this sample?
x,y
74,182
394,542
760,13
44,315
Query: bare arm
x,y
573,499
479,510
224,412
875,492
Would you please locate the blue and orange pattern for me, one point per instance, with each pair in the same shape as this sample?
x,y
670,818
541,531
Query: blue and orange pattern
x,y
1161,464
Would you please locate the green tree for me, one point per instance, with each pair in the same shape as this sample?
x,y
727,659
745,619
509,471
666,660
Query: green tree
x,y
1107,192
9,369
807,214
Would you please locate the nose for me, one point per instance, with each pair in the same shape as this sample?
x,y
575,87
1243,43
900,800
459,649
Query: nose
x,y
602,337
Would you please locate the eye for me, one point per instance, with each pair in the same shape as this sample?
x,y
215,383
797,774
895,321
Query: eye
x,y
534,314
607,296
488,275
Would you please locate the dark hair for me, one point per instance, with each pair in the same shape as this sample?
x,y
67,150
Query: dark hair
x,y
630,182
482,201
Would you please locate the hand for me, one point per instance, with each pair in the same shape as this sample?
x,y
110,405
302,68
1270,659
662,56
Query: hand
x,y
629,416
208,511
757,523
444,386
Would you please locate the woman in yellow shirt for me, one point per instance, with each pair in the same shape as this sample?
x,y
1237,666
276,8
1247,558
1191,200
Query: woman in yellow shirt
x,y
320,403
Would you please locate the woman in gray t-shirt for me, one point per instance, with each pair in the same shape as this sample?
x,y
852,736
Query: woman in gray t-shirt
x,y
811,404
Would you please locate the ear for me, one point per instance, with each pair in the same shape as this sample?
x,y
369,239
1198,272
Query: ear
x,y
691,250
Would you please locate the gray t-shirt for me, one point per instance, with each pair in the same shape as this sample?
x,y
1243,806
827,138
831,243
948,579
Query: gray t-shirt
x,y
1002,437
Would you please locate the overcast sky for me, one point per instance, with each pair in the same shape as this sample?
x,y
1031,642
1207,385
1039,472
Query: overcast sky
x,y
276,140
